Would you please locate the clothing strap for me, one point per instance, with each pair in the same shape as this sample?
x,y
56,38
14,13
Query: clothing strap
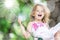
x,y
40,38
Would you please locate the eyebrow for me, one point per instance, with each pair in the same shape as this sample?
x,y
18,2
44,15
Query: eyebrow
x,y
41,10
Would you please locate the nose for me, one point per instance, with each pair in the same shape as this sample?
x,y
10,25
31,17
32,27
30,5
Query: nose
x,y
40,11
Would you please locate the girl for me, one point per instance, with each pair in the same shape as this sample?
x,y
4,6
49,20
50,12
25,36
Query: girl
x,y
38,26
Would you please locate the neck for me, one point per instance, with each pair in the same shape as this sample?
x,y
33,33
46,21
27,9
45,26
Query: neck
x,y
38,20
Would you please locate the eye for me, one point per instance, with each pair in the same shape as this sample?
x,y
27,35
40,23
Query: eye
x,y
42,10
37,10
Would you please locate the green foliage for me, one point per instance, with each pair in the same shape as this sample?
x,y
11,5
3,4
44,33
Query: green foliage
x,y
4,25
44,0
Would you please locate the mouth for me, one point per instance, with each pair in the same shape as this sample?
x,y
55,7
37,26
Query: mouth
x,y
39,15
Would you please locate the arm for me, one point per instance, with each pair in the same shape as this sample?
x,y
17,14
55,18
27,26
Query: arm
x,y
25,32
57,35
55,29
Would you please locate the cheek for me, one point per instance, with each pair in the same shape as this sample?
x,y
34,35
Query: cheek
x,y
36,14
43,14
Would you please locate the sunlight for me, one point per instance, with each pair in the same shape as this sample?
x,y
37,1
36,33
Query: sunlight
x,y
9,3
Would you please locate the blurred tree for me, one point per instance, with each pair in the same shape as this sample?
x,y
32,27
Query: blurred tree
x,y
4,25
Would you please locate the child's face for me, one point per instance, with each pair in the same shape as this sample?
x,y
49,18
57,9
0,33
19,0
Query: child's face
x,y
39,13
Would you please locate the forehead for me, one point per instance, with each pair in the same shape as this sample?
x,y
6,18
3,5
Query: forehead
x,y
39,7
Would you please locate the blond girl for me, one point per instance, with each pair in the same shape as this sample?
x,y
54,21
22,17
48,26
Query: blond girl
x,y
38,26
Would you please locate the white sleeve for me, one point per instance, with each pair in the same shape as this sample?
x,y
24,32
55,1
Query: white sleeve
x,y
55,29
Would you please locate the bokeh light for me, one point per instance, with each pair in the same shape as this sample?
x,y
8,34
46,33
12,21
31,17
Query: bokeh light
x,y
9,3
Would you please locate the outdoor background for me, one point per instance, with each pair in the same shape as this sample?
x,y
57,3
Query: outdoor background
x,y
11,10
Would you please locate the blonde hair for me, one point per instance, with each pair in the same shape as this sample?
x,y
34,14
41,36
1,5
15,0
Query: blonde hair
x,y
46,13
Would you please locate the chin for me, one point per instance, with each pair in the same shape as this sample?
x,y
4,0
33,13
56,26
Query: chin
x,y
39,19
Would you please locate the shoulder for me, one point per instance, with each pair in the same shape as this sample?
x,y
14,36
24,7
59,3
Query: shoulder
x,y
30,23
47,25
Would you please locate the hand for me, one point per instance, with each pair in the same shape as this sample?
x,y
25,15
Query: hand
x,y
19,20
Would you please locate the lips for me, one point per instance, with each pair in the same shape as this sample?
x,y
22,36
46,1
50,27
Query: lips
x,y
39,15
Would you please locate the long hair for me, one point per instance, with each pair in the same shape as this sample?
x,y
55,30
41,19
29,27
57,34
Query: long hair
x,y
46,13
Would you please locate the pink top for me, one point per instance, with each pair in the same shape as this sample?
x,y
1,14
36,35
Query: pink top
x,y
36,25
40,30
